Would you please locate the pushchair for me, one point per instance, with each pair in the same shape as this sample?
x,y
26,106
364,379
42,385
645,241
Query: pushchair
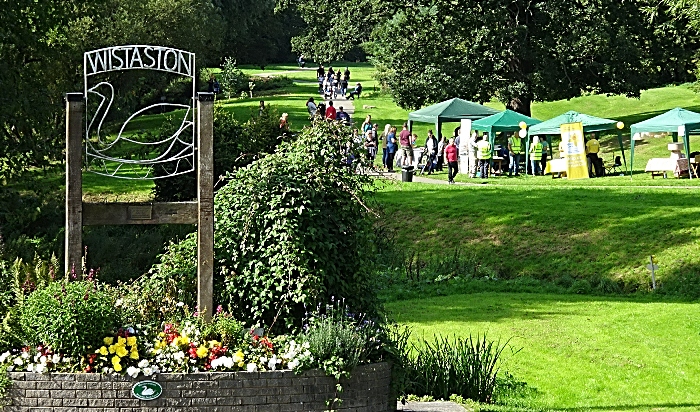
x,y
430,162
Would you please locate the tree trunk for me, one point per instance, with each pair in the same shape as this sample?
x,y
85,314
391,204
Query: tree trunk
x,y
520,104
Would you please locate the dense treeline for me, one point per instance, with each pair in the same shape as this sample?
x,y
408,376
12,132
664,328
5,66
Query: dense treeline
x,y
516,51
42,46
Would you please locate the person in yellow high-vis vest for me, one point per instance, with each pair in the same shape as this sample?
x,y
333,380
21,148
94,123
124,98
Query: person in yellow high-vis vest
x,y
592,149
484,153
515,147
535,155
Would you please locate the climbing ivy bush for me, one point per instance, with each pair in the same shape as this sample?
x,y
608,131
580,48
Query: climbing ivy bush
x,y
292,230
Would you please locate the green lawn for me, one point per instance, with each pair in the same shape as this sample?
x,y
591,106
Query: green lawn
x,y
546,232
580,353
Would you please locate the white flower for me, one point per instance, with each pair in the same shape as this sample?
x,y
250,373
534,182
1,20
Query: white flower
x,y
40,368
25,355
55,358
133,371
147,371
18,361
30,367
227,362
263,359
43,360
180,304
252,367
143,363
293,364
4,356
272,364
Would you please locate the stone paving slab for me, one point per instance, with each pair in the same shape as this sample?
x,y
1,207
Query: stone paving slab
x,y
438,406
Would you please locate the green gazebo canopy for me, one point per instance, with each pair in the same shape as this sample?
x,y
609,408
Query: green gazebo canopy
x,y
668,122
507,121
453,110
591,124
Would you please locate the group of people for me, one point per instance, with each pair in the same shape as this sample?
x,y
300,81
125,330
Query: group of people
x,y
328,112
332,82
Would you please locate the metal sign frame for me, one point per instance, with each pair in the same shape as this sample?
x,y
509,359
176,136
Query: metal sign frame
x,y
200,212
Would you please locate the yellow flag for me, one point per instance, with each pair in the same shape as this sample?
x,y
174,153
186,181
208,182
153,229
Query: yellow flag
x,y
575,149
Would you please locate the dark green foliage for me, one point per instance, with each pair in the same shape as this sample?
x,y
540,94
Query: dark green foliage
x,y
518,51
233,80
70,317
291,229
464,367
235,145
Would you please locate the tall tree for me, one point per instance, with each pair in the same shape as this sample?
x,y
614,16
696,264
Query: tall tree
x,y
521,51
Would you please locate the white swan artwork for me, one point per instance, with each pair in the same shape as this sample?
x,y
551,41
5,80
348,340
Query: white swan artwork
x,y
174,149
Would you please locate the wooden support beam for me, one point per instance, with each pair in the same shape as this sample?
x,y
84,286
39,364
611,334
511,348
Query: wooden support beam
x,y
158,213
74,183
205,197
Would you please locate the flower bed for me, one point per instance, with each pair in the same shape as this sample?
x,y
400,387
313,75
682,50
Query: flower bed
x,y
367,390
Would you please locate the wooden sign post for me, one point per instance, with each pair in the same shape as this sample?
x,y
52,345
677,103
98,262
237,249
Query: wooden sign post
x,y
201,212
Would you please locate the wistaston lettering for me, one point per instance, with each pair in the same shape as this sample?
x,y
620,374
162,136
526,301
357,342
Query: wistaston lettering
x,y
139,57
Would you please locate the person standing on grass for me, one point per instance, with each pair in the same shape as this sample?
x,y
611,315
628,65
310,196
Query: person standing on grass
x,y
451,158
391,148
472,162
535,155
405,143
431,146
515,146
545,154
330,111
347,73
484,154
385,143
592,149
440,154
367,124
371,147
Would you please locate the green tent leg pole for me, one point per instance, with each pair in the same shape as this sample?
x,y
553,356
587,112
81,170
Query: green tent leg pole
x,y
631,154
686,143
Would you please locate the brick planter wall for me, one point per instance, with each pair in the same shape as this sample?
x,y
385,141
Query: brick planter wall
x,y
368,390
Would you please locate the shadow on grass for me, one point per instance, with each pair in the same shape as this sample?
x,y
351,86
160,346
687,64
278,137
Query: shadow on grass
x,y
583,233
495,307
630,407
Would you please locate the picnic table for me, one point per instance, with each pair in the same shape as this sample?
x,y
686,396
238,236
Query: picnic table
x,y
555,166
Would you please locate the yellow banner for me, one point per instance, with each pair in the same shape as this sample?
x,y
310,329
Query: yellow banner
x,y
574,150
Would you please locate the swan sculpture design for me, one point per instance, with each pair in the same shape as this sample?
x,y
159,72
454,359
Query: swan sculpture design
x,y
177,149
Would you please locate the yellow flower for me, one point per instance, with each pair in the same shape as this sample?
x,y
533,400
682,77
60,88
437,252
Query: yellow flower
x,y
121,351
108,341
121,340
117,367
202,351
241,364
213,343
116,360
161,334
112,348
161,344
134,354
131,340
238,357
103,351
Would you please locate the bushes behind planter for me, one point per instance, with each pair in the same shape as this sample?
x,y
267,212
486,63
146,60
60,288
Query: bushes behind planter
x,y
70,317
291,230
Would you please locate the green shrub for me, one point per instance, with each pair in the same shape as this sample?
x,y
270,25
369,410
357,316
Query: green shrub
x,y
70,317
236,144
291,230
464,367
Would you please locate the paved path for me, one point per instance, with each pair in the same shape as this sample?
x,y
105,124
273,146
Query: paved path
x,y
439,406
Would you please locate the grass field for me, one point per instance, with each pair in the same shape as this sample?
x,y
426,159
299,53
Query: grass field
x,y
549,232
580,353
